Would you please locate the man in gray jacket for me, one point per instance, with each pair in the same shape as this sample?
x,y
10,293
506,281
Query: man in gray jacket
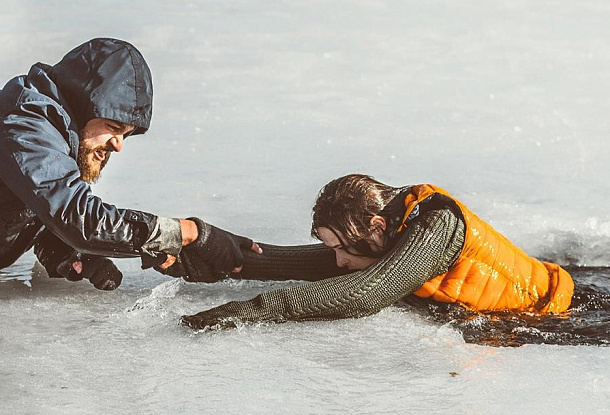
x,y
58,127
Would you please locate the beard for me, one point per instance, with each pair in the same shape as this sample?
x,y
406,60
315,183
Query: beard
x,y
90,168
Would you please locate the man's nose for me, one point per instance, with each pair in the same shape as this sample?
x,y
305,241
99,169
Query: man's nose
x,y
116,143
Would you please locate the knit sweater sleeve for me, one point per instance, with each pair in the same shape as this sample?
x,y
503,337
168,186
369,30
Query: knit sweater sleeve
x,y
427,248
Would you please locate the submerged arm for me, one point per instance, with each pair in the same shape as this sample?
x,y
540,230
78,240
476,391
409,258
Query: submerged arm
x,y
429,246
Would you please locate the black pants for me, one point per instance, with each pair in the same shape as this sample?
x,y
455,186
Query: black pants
x,y
13,246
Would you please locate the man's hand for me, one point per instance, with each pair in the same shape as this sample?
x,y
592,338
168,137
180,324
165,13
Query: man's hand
x,y
209,246
100,271
62,261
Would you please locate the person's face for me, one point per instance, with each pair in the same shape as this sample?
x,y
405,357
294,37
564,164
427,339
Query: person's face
x,y
98,140
345,258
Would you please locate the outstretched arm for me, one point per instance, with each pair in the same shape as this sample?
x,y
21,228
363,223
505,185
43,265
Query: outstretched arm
x,y
429,246
312,262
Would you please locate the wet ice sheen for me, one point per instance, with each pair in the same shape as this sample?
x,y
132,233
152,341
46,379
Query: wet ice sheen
x,y
259,104
121,358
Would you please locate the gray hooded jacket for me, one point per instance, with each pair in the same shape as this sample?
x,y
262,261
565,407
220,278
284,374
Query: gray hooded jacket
x,y
41,114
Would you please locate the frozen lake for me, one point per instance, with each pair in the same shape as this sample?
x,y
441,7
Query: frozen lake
x,y
257,106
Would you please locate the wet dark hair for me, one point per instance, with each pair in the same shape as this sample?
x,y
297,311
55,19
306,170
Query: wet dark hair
x,y
347,205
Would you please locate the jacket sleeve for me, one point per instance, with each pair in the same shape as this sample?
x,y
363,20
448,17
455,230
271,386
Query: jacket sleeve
x,y
428,248
37,165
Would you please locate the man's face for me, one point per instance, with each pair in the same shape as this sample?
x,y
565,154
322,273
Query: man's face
x,y
343,257
98,139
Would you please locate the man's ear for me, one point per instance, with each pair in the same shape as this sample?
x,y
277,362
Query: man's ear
x,y
378,222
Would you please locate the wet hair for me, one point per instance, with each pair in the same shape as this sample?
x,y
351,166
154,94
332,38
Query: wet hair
x,y
347,205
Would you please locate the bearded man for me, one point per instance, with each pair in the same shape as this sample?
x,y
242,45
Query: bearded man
x,y
58,127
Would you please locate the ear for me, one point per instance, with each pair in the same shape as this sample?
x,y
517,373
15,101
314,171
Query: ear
x,y
378,222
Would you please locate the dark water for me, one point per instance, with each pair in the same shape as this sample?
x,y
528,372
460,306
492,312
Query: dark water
x,y
587,322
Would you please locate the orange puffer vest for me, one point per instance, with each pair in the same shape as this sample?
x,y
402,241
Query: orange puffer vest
x,y
492,274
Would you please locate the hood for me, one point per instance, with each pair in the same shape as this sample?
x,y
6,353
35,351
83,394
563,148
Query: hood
x,y
106,78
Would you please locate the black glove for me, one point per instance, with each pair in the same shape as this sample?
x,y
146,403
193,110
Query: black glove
x,y
57,258
213,247
99,270
51,252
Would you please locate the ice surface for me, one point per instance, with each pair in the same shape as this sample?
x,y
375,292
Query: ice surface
x,y
259,104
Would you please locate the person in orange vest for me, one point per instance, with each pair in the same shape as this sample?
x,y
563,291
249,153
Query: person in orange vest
x,y
400,241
